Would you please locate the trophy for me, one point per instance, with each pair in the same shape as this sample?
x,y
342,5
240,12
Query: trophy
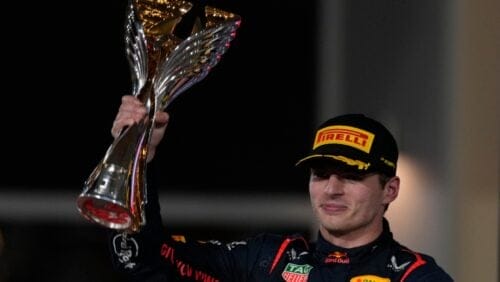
x,y
163,65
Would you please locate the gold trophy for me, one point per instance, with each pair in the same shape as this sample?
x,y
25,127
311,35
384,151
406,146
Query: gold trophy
x,y
163,65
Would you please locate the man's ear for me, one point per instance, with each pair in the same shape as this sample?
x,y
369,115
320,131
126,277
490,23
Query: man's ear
x,y
391,189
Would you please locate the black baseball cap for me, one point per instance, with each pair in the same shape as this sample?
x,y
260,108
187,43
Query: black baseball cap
x,y
354,142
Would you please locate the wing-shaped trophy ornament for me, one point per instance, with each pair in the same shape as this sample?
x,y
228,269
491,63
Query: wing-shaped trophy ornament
x,y
163,65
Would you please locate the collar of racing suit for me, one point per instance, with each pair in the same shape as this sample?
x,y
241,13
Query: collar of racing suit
x,y
327,253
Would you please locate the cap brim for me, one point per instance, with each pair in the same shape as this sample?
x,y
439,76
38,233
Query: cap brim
x,y
339,161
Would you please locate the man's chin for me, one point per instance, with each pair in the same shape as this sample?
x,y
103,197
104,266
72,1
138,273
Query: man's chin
x,y
334,223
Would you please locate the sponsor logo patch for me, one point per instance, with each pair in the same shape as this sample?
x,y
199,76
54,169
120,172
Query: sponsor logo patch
x,y
397,267
337,257
293,255
235,244
345,135
369,278
178,238
184,269
126,249
296,272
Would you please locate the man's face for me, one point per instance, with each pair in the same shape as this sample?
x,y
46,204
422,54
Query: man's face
x,y
348,204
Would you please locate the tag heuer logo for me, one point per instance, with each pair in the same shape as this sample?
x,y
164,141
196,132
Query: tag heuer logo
x,y
296,272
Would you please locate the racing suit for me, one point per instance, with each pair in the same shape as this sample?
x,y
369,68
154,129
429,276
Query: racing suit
x,y
152,255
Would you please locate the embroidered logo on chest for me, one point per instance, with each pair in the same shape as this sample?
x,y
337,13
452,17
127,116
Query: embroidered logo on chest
x,y
397,267
293,255
296,272
337,257
126,249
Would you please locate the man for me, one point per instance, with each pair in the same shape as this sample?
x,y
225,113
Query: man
x,y
352,182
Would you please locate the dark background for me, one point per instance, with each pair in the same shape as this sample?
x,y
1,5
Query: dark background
x,y
240,130
248,119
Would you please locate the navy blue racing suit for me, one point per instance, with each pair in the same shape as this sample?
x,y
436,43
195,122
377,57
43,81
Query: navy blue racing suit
x,y
153,255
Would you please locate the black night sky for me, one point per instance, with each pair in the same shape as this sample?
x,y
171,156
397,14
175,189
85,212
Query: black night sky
x,y
241,128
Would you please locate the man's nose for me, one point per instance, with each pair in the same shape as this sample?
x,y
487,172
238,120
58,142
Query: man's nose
x,y
334,185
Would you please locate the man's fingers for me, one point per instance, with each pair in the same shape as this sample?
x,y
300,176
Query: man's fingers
x,y
161,119
119,124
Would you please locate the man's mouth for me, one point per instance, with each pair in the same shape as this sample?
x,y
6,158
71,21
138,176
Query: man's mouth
x,y
332,208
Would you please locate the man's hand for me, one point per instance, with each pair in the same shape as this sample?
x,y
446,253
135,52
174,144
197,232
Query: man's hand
x,y
133,111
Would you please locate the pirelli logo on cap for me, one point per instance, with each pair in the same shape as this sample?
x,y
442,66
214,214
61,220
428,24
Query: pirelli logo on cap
x,y
345,135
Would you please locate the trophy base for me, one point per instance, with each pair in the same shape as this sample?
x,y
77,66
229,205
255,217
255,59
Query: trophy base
x,y
103,212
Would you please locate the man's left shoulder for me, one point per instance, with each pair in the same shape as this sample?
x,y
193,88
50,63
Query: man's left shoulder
x,y
415,266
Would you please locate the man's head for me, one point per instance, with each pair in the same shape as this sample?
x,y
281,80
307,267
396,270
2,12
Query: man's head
x,y
354,142
353,167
